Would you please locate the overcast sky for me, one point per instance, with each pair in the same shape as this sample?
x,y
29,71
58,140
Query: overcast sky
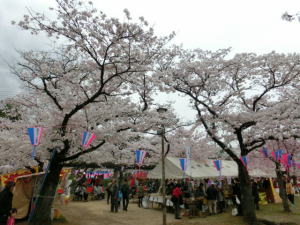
x,y
243,25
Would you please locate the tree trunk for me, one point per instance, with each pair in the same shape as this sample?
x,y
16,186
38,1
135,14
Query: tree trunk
x,y
282,189
247,200
41,214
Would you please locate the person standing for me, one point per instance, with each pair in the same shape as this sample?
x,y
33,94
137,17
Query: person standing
x,y
290,191
140,193
237,196
199,196
6,197
108,191
268,191
211,194
114,197
177,200
11,219
255,194
220,198
125,192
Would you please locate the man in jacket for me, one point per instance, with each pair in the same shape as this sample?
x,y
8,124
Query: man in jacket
x,y
114,196
176,199
211,194
6,197
125,189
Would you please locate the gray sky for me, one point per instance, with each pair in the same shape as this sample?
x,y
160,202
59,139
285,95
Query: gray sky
x,y
244,25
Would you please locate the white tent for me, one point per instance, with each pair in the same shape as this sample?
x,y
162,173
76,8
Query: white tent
x,y
204,169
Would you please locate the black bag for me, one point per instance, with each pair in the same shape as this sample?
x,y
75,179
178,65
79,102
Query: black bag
x,y
3,219
173,198
180,200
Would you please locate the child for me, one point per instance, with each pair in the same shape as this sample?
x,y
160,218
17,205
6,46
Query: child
x,y
11,218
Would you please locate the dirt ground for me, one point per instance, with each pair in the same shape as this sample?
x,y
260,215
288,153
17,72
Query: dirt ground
x,y
98,212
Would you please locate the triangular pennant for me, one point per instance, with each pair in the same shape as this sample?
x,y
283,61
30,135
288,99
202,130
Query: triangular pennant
x,y
182,162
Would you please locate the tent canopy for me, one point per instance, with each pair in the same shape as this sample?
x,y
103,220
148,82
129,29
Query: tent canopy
x,y
205,169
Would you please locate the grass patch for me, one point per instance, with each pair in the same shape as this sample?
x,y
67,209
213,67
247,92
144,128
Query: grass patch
x,y
60,220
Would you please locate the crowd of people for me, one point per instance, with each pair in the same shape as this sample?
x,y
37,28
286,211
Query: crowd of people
x,y
209,196
216,196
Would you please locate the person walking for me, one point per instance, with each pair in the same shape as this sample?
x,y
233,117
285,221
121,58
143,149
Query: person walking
x,y
140,193
211,194
125,189
6,197
177,200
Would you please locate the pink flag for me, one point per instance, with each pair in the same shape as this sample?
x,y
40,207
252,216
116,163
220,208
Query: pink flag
x,y
284,159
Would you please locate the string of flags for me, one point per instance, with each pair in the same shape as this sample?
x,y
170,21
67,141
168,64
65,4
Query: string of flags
x,y
35,135
285,158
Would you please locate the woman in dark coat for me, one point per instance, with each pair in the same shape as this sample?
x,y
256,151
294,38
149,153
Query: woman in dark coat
x,y
6,197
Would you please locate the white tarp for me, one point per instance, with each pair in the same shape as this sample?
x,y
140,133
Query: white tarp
x,y
205,169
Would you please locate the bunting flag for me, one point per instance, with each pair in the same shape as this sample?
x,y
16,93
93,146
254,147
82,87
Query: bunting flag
x,y
140,156
277,155
87,139
265,152
290,160
244,160
35,134
217,164
183,162
285,159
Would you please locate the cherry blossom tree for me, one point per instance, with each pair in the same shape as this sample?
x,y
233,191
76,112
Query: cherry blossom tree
x,y
240,101
290,17
201,148
289,146
86,82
